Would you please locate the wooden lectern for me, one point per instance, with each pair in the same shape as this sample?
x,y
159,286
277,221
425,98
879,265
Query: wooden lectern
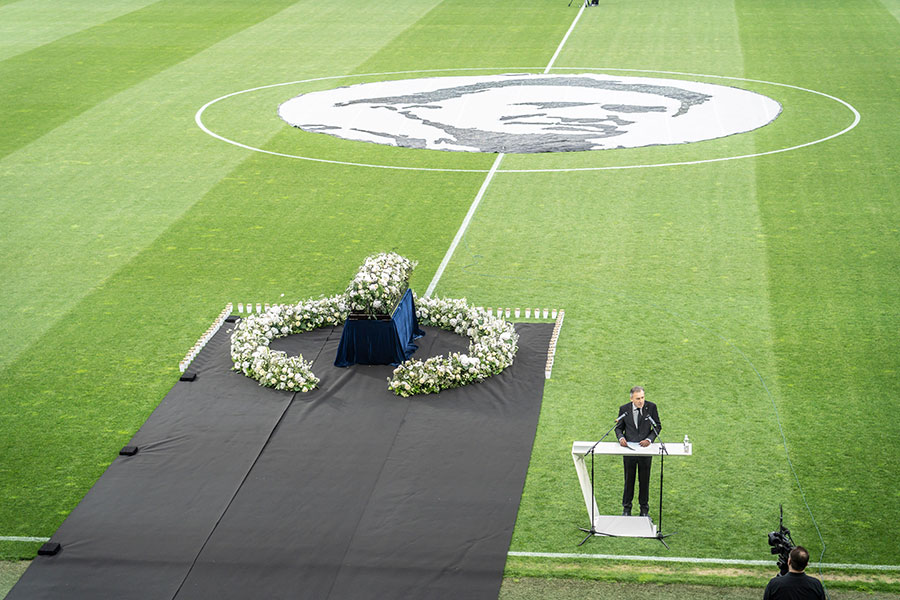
x,y
621,526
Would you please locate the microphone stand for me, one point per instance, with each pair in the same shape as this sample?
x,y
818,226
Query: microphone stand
x,y
662,464
590,532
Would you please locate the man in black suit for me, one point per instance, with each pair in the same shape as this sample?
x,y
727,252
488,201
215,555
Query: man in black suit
x,y
635,426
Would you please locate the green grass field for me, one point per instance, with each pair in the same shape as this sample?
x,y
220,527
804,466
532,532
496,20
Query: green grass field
x,y
748,296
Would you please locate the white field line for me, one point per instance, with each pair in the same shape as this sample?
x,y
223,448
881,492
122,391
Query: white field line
x,y
688,559
464,226
487,181
565,38
670,559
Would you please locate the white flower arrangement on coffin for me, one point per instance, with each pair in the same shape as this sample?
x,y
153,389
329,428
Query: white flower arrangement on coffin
x,y
250,341
379,284
492,348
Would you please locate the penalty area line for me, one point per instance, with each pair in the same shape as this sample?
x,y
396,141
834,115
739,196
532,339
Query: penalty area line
x,y
692,560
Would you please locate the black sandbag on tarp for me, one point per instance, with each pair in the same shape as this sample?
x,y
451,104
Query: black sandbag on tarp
x,y
356,493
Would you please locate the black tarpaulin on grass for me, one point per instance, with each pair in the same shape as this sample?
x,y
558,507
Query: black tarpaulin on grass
x,y
347,491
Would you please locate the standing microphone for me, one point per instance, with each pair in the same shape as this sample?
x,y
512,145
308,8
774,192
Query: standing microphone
x,y
661,444
591,451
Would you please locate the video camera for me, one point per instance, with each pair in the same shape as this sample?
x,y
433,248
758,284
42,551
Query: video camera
x,y
781,543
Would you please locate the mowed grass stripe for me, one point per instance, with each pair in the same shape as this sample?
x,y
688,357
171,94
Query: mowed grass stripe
x,y
468,33
159,170
893,6
27,24
81,201
49,85
268,228
663,278
830,217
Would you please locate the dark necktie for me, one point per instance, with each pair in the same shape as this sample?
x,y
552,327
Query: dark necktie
x,y
637,417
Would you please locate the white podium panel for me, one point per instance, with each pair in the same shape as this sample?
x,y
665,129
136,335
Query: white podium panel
x,y
619,526
654,449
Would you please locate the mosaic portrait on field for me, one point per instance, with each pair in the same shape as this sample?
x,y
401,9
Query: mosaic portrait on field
x,y
528,113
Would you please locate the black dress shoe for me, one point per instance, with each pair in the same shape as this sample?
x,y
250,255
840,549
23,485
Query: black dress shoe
x,y
626,513
645,513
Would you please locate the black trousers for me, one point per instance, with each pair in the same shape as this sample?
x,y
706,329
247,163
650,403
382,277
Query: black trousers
x,y
641,464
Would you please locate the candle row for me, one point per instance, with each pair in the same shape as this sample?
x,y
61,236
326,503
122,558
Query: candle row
x,y
204,339
539,313
551,351
517,312
260,307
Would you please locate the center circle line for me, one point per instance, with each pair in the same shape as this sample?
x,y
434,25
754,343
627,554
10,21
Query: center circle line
x,y
198,119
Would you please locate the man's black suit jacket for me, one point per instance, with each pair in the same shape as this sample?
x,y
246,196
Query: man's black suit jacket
x,y
625,428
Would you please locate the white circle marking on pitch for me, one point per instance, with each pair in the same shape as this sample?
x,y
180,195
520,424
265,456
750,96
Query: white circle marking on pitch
x,y
198,119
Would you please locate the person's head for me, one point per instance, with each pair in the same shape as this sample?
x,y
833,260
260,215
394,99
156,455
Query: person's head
x,y
637,396
798,559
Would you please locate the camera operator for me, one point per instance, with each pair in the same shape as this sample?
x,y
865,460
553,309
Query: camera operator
x,y
796,584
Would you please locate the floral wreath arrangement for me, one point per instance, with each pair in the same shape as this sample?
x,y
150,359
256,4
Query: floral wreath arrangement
x,y
493,346
378,286
250,341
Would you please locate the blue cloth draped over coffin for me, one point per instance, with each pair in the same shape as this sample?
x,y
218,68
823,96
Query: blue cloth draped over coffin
x,y
374,342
